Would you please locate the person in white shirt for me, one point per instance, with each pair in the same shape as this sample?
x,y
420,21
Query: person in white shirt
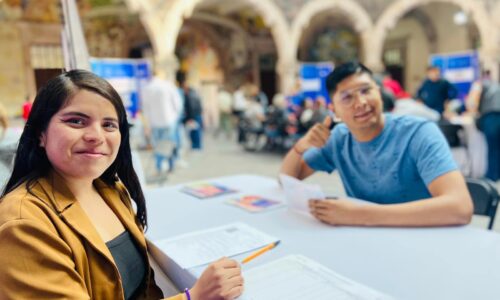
x,y
225,101
409,106
161,105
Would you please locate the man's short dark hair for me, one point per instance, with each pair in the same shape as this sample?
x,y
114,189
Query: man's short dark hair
x,y
342,72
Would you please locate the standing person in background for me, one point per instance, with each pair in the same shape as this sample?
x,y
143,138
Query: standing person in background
x,y
4,121
67,225
484,103
225,102
193,111
239,107
161,107
435,92
28,103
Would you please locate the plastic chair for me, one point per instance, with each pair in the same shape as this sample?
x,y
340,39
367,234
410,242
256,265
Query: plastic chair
x,y
485,197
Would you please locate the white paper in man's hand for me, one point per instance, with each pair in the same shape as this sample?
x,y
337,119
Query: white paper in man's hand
x,y
298,193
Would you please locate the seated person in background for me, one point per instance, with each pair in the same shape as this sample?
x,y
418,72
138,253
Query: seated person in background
x,y
401,162
305,118
388,97
254,114
277,117
320,111
67,225
392,85
409,106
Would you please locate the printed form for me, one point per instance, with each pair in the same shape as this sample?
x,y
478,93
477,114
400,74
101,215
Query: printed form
x,y
205,246
298,193
296,277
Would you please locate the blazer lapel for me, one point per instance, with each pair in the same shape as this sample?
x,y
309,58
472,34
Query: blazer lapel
x,y
72,213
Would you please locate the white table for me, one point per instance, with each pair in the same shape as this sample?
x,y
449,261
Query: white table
x,y
426,263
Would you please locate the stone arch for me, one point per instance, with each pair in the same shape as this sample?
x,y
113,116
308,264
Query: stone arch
x,y
153,18
399,8
164,23
351,9
495,14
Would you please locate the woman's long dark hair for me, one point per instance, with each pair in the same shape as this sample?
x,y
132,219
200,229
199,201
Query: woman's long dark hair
x,y
31,161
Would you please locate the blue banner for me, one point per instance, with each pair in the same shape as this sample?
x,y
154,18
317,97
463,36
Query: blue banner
x,y
312,79
461,69
127,76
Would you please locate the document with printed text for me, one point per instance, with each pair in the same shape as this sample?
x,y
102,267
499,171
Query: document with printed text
x,y
298,193
296,277
205,246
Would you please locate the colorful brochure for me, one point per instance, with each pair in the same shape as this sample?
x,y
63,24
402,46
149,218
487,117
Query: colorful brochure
x,y
206,190
255,203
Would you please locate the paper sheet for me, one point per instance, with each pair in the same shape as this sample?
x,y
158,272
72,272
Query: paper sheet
x,y
296,277
298,193
205,246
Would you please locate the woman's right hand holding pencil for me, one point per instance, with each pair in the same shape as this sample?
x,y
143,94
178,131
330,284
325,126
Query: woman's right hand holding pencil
x,y
221,280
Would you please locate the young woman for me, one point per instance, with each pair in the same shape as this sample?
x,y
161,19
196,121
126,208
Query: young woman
x,y
67,227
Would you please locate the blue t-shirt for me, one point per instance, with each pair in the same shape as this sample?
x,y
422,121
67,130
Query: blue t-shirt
x,y
395,167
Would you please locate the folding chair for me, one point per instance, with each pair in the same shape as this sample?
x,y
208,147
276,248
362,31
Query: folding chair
x,y
485,197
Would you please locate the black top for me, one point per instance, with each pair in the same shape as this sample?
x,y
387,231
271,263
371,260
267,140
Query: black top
x,y
192,105
129,261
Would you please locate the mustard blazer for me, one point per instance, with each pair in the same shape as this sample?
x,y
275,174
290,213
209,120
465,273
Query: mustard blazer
x,y
49,248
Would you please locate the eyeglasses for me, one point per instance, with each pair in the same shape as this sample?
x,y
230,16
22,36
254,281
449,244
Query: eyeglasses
x,y
346,98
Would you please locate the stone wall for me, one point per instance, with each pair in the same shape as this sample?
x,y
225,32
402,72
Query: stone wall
x,y
12,76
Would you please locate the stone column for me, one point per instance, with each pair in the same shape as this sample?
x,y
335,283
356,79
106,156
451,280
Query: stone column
x,y
287,72
167,65
372,50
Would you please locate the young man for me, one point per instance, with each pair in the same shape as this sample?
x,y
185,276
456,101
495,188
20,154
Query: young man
x,y
384,159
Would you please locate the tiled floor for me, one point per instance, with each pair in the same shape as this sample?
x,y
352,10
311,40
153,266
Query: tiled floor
x,y
222,157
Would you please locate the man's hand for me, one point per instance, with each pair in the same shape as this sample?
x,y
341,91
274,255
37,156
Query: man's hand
x,y
333,211
317,136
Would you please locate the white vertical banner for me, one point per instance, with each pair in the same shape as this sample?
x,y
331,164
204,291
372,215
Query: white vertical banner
x,y
74,47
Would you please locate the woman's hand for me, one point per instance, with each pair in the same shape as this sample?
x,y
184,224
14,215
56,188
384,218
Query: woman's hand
x,y
221,280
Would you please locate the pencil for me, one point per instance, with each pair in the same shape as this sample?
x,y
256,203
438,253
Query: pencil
x,y
259,252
